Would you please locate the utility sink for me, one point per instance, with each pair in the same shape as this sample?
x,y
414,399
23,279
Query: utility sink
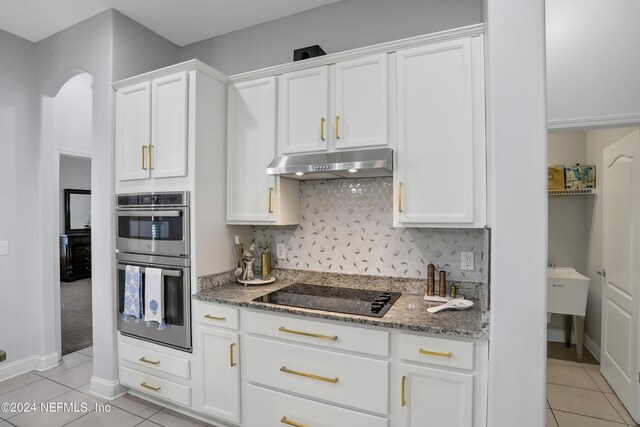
x,y
567,291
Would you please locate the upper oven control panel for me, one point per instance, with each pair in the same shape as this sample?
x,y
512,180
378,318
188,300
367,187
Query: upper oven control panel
x,y
154,199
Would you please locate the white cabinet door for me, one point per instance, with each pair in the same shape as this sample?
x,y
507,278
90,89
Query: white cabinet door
x,y
303,102
360,118
435,398
441,167
169,110
253,197
220,369
133,125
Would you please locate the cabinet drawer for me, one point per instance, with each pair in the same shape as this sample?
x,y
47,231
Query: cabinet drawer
x,y
268,408
210,314
437,351
155,360
323,334
155,386
337,378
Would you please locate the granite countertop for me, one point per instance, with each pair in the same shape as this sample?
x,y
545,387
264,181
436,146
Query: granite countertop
x,y
408,313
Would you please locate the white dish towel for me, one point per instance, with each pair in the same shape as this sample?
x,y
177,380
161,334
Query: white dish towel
x,y
153,297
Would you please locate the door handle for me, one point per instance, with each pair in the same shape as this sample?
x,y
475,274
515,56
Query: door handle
x,y
602,272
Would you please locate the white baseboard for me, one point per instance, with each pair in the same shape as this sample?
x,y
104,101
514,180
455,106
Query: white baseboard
x,y
557,335
28,364
107,390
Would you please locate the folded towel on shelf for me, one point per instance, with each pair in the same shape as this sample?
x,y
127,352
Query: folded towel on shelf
x,y
154,297
132,294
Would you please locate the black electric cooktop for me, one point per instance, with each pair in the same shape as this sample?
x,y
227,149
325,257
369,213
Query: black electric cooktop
x,y
360,302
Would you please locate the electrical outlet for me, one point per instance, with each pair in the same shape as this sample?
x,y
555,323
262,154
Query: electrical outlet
x,y
281,251
466,261
4,247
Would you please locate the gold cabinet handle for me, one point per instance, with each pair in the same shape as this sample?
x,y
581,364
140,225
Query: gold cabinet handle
x,y
434,353
144,155
322,120
231,361
400,197
270,199
150,387
284,420
308,334
150,156
312,376
152,362
404,384
208,316
337,127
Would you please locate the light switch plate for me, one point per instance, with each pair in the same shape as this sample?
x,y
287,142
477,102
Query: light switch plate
x,y
281,251
466,261
4,247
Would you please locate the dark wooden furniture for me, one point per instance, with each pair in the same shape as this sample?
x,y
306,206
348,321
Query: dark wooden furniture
x,y
75,257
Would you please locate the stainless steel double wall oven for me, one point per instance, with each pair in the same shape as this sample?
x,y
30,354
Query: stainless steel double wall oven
x,y
153,230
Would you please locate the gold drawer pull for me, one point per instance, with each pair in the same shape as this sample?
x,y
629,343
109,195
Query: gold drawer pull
x,y
208,316
312,376
337,127
284,420
434,353
404,383
308,334
270,199
150,156
399,197
145,385
232,363
322,120
152,362
144,154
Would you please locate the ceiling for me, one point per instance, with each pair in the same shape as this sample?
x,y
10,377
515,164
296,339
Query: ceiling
x,y
180,21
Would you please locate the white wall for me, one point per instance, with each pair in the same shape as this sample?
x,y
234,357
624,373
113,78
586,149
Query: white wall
x,y
19,277
75,173
517,190
593,62
336,27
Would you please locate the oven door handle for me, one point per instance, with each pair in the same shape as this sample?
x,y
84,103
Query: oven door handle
x,y
150,213
172,273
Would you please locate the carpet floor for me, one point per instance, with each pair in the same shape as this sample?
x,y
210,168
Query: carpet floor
x,y
75,308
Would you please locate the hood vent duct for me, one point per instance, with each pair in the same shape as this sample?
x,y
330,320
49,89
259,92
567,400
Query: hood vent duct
x,y
344,164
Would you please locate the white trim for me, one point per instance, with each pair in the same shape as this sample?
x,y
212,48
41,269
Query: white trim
x,y
28,364
557,335
43,363
590,123
105,389
193,64
468,31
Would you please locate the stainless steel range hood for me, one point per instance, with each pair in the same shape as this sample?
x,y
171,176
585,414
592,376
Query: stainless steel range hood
x,y
344,164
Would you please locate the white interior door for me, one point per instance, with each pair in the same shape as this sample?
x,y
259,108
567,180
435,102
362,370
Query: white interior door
x,y
619,354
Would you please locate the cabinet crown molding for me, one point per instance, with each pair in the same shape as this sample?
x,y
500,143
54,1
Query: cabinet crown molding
x,y
193,64
468,31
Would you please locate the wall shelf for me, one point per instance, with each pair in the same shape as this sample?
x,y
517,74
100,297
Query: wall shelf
x,y
588,191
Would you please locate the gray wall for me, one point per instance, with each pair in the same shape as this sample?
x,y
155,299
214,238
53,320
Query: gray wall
x,y
592,59
19,192
137,49
336,27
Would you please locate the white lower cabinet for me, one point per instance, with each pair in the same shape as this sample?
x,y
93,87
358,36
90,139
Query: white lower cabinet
x,y
269,408
435,397
220,373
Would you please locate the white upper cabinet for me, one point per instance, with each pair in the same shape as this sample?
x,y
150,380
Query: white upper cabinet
x,y
253,197
151,129
360,100
440,171
133,126
304,110
169,110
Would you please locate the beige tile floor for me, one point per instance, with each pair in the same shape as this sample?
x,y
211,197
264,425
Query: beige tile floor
x,y
69,383
579,396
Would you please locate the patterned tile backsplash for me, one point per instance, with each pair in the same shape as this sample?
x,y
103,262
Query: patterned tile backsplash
x,y
346,227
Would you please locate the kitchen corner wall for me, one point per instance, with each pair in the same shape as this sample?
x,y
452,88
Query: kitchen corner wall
x,y
346,227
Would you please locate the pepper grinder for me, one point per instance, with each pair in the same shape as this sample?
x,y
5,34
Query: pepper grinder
x,y
431,280
442,286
